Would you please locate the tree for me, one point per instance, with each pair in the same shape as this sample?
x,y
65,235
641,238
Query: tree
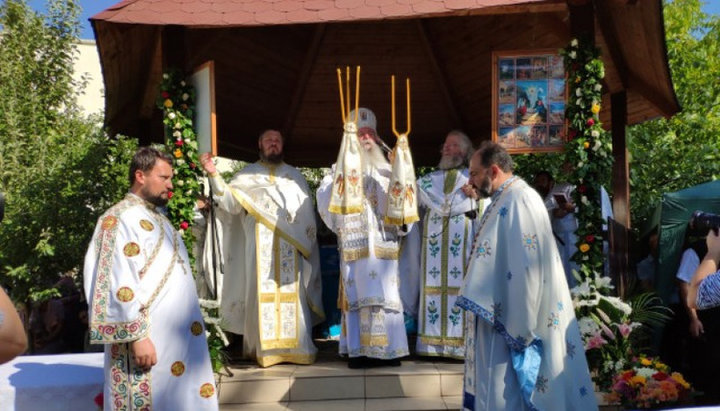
x,y
58,169
671,154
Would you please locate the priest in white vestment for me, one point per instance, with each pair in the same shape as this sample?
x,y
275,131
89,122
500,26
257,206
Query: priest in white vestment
x,y
524,350
142,301
373,327
450,213
271,292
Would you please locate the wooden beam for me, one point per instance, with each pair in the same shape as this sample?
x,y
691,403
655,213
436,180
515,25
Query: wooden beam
x,y
621,191
614,47
150,78
621,175
301,83
544,7
441,77
582,19
650,94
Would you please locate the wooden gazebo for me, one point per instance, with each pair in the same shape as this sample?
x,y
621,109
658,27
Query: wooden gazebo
x,y
275,64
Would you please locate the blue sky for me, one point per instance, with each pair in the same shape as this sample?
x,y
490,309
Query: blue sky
x,y
92,7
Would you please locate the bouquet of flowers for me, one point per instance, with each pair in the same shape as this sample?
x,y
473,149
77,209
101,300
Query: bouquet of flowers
x,y
648,383
609,327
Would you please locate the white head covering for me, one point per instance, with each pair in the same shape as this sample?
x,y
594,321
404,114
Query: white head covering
x,y
366,118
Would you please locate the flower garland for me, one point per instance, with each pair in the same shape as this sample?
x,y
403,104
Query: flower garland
x,y
177,100
589,150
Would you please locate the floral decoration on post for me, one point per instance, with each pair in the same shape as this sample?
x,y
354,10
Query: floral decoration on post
x,y
177,101
588,150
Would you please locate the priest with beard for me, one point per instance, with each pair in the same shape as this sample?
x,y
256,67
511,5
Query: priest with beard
x,y
373,326
271,292
450,213
523,346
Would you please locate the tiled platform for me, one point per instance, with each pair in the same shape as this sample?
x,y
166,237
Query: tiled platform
x,y
328,385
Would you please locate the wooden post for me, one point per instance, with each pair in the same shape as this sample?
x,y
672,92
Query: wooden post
x,y
621,188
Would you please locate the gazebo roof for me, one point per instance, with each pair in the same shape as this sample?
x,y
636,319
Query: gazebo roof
x,y
275,63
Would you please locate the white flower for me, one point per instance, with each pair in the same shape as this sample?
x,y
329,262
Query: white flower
x,y
572,54
181,231
645,372
595,134
598,87
574,43
619,304
180,161
620,364
182,83
171,115
180,183
165,76
176,171
584,200
178,125
177,134
185,96
189,192
580,164
588,326
578,92
597,144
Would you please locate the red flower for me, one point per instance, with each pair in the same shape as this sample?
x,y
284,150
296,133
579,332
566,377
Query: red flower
x,y
184,225
582,188
193,165
178,142
170,194
589,238
99,400
165,94
590,122
572,133
660,376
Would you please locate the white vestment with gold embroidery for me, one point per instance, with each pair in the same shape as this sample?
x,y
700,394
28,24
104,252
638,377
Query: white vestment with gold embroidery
x,y
138,285
447,234
271,292
373,323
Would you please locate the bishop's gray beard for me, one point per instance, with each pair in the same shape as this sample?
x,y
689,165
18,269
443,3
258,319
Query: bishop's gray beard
x,y
374,158
450,162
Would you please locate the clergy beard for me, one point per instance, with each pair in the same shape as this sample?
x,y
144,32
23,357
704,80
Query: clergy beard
x,y
374,158
272,158
485,189
156,199
449,162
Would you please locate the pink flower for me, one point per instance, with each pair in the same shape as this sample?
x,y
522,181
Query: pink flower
x,y
590,122
607,331
596,341
625,329
184,225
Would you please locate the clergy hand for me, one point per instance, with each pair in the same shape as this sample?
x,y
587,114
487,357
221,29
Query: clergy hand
x,y
469,191
207,163
143,353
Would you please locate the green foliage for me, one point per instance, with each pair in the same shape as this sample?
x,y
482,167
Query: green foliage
x,y
671,154
177,100
588,151
59,171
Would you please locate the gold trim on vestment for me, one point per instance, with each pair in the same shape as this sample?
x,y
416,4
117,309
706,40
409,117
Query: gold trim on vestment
x,y
401,220
429,290
373,340
345,209
449,341
387,253
270,360
250,208
352,255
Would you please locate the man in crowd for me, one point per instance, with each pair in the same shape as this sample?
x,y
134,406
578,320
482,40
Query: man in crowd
x,y
373,328
450,211
271,292
524,349
558,201
142,300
